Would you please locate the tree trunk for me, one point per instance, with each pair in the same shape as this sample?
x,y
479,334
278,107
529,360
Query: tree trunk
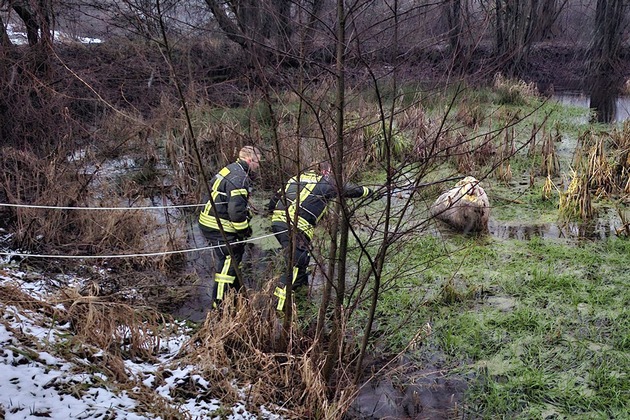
x,y
5,42
520,23
30,22
604,77
604,50
337,330
256,25
460,41
454,22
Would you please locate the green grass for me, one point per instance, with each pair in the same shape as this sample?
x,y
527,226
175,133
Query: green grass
x,y
540,328
560,345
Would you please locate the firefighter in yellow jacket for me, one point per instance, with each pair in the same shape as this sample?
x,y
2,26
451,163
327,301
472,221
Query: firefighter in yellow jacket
x,y
304,201
225,218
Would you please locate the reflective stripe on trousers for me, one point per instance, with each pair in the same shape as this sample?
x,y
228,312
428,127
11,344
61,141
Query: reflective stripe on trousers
x,y
224,278
281,291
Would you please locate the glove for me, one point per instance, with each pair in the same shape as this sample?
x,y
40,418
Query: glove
x,y
271,205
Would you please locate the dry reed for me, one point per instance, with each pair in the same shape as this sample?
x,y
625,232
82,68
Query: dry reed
x,y
575,202
237,349
118,328
550,161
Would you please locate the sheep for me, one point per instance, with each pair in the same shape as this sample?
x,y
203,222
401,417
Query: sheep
x,y
465,207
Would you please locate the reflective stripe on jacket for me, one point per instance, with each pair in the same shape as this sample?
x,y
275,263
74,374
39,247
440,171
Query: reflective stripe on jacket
x,y
312,192
230,193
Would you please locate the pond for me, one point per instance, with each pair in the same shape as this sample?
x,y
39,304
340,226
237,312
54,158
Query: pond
x,y
603,228
616,108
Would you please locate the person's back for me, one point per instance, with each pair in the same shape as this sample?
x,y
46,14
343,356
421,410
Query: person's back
x,y
225,218
229,192
302,203
307,196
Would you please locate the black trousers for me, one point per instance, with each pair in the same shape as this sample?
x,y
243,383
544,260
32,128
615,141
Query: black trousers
x,y
225,264
301,258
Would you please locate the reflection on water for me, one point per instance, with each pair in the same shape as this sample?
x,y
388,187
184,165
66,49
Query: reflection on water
x,y
604,93
601,229
611,108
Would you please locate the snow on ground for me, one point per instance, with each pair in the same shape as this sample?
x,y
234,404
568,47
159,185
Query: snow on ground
x,y
36,382
17,36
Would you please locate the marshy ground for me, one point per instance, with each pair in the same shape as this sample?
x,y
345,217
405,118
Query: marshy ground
x,y
528,321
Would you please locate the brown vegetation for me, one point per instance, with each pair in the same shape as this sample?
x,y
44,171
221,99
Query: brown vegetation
x,y
156,104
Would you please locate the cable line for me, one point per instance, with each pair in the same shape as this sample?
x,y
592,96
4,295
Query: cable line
x,y
34,206
148,254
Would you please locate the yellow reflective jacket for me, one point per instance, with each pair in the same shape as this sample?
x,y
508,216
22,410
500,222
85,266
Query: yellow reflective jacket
x,y
313,192
230,190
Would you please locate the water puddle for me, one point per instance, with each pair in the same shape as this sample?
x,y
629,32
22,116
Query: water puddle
x,y
502,303
601,229
199,263
620,105
413,389
426,394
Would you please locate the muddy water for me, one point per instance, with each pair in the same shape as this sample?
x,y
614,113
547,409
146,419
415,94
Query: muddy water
x,y
410,393
201,264
259,257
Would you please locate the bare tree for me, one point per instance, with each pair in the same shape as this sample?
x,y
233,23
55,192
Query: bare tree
x,y
462,40
255,24
37,17
607,38
604,77
518,24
